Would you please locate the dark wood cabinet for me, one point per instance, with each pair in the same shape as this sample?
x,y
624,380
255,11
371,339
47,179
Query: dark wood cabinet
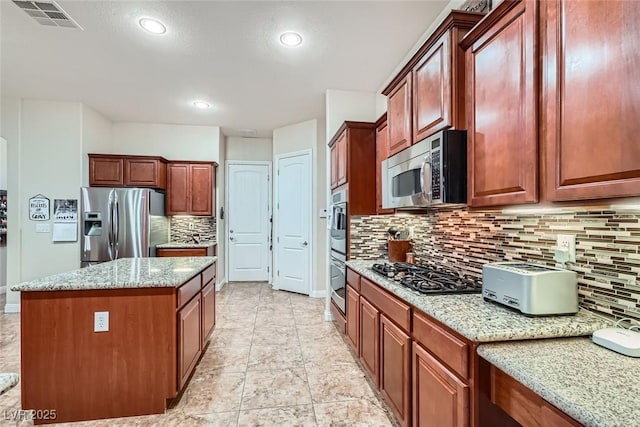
x,y
189,339
439,397
395,369
591,52
353,318
369,338
115,170
382,147
353,160
208,310
190,188
502,112
399,116
178,252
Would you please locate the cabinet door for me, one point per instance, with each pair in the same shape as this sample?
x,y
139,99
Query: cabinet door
x,y
208,310
201,200
399,116
395,369
144,173
342,159
440,399
382,147
502,112
432,90
178,189
353,319
591,52
106,171
334,166
369,338
189,339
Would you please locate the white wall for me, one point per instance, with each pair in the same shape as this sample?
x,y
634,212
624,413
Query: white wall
x,y
174,142
3,164
344,105
249,149
298,137
96,137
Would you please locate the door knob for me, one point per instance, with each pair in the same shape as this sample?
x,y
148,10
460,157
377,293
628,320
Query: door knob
x,y
304,243
230,231
230,238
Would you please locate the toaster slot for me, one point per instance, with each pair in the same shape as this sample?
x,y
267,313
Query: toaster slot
x,y
510,301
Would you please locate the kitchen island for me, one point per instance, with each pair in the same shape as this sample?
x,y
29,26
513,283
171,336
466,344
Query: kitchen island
x,y
115,339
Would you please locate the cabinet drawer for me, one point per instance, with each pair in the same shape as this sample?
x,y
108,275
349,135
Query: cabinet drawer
x,y
444,345
209,274
386,303
353,279
179,252
188,290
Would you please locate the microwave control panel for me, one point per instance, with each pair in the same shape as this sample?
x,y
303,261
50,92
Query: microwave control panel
x,y
435,175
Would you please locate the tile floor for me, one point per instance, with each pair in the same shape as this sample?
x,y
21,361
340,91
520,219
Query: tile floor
x,y
272,361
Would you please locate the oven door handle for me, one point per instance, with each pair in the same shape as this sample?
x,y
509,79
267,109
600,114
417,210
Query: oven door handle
x,y
427,191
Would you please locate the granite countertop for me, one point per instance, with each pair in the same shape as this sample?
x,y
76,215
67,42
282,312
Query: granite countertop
x,y
7,381
178,245
592,384
123,273
481,321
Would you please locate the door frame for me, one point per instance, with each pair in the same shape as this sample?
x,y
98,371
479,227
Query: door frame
x,y
227,180
276,218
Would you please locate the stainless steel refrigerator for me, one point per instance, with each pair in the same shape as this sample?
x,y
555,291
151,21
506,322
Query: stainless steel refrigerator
x,y
121,223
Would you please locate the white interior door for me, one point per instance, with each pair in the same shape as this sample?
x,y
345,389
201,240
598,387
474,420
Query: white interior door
x,y
249,223
293,210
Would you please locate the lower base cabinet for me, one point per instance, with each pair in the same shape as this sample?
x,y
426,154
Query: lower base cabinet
x,y
369,338
439,397
395,369
208,310
189,338
353,317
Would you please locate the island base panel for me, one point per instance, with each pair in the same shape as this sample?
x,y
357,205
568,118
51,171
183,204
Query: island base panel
x,y
84,375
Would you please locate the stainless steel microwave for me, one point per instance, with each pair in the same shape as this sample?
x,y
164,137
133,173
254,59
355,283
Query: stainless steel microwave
x,y
431,172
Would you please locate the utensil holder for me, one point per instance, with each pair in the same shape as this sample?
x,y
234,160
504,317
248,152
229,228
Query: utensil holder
x,y
398,250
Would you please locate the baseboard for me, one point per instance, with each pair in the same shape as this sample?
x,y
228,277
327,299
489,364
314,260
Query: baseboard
x,y
318,294
12,308
328,316
220,285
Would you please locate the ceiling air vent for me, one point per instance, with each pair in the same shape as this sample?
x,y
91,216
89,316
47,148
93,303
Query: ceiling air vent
x,y
47,13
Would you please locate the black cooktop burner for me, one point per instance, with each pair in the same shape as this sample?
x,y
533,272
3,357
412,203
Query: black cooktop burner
x,y
429,279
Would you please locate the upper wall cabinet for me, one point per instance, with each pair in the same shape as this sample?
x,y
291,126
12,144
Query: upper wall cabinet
x,y
590,98
428,94
113,170
353,165
190,188
501,95
381,153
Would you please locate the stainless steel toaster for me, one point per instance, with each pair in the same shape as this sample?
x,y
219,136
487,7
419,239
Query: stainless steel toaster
x,y
535,290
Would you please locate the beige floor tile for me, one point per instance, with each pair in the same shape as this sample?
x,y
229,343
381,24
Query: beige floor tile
x,y
275,320
224,359
269,389
317,331
302,416
337,384
274,335
309,318
360,413
325,351
230,337
212,392
235,320
274,357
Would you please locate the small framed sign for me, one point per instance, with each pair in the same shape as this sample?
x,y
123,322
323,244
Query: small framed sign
x,y
39,208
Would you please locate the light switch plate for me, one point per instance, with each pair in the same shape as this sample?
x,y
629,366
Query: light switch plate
x,y
323,213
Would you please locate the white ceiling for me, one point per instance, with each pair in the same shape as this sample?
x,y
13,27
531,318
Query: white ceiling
x,y
225,52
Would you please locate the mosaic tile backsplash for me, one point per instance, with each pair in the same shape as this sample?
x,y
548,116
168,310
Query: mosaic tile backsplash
x,y
607,246
203,225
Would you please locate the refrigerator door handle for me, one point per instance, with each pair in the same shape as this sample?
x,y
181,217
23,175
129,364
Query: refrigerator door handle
x,y
117,226
110,234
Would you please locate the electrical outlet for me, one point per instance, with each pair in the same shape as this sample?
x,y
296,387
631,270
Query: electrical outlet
x,y
568,242
191,227
101,321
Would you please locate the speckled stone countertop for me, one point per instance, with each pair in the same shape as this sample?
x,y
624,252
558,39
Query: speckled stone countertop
x,y
592,384
7,381
123,273
179,245
481,321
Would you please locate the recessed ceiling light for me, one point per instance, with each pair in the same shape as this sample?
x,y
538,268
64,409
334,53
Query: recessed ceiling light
x,y
201,104
152,25
291,39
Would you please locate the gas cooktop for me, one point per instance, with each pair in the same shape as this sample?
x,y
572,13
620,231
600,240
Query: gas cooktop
x,y
429,279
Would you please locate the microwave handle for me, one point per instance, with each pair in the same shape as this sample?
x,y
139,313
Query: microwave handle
x,y
426,189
